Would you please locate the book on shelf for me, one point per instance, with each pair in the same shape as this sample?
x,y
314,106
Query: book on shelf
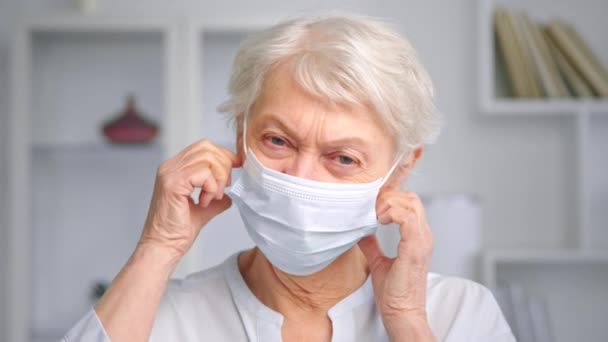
x,y
511,52
522,37
549,60
552,84
580,43
580,60
578,87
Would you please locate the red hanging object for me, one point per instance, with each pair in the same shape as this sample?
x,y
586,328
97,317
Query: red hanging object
x,y
130,127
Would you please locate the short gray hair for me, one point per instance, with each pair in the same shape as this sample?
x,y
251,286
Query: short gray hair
x,y
343,59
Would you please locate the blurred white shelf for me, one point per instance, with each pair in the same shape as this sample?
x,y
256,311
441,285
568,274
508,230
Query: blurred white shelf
x,y
95,147
522,257
97,23
547,256
491,259
549,107
572,285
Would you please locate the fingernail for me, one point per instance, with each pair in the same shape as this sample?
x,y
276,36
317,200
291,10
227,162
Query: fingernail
x,y
383,219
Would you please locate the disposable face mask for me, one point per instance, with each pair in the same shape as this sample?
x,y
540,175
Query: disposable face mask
x,y
301,225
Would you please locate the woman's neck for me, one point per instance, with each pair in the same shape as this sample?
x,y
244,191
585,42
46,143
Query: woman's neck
x,y
297,295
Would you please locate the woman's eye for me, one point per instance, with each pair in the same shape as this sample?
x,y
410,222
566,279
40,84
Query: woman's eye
x,y
346,160
277,141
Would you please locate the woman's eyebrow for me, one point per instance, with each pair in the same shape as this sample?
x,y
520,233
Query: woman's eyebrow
x,y
350,141
269,118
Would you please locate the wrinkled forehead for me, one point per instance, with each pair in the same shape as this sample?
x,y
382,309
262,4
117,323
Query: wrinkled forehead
x,y
284,102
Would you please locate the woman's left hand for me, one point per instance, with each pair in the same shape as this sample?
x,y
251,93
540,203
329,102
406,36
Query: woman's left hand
x,y
400,283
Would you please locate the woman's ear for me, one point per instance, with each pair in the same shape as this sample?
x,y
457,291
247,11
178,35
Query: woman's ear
x,y
402,170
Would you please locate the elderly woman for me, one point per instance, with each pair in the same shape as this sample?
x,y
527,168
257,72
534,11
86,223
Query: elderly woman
x,y
332,114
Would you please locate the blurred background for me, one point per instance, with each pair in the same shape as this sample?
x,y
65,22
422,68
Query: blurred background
x,y
94,94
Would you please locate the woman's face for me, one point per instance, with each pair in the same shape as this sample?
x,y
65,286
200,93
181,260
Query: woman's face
x,y
295,133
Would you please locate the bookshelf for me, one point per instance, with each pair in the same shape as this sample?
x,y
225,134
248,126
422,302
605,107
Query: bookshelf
x,y
69,75
57,149
571,279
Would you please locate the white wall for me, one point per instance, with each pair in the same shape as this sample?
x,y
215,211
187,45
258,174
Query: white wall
x,y
5,9
521,167
3,237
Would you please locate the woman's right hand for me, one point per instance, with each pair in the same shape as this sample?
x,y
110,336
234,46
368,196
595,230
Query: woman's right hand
x,y
174,220
128,308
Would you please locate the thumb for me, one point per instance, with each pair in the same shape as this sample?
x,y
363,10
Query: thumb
x,y
216,207
371,249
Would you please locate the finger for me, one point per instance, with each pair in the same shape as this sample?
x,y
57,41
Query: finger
x,y
208,192
221,163
216,207
228,160
392,198
405,217
199,149
371,249
415,245
220,159
235,160
386,201
385,218
382,207
221,187
196,175
224,158
201,155
409,201
414,201
201,176
219,168
221,173
197,146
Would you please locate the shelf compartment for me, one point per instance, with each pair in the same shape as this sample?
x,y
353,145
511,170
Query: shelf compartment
x,y
109,64
573,285
89,198
67,69
493,82
87,214
596,182
510,106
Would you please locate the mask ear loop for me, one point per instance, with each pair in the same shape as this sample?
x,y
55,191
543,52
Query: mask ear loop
x,y
390,171
245,133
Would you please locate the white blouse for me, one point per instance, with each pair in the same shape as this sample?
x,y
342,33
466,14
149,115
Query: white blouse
x,y
217,305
